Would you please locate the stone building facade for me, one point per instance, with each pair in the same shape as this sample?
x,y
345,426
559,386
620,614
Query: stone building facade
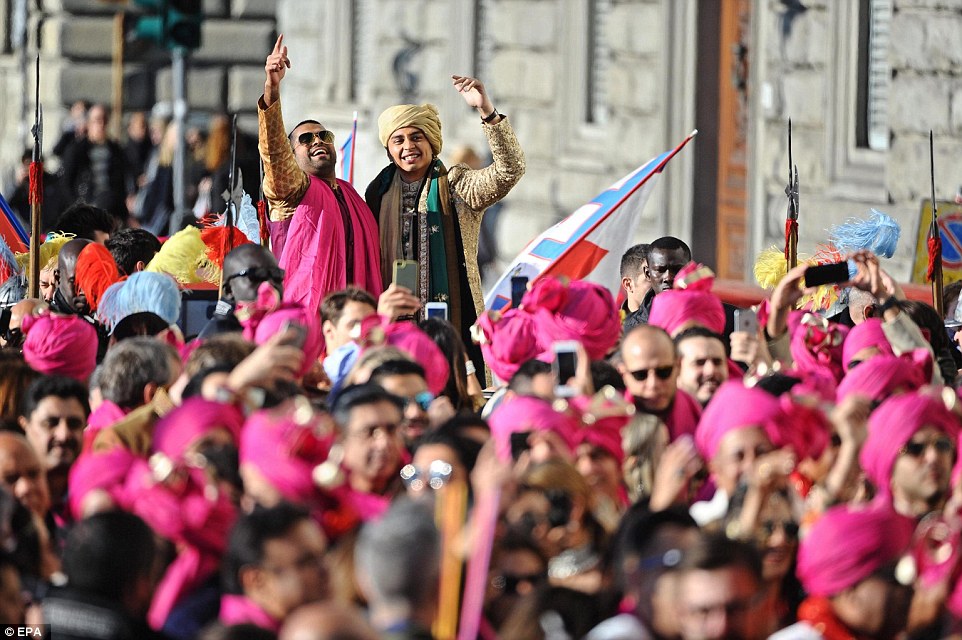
x,y
593,88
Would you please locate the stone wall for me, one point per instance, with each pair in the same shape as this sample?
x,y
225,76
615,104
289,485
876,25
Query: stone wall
x,y
808,77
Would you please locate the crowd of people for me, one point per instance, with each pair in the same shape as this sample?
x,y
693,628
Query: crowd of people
x,y
324,460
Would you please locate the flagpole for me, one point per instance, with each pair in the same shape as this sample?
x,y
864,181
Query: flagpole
x,y
35,193
935,238
350,170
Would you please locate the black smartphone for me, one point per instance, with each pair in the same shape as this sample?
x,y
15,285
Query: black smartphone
x,y
519,284
820,274
299,334
519,443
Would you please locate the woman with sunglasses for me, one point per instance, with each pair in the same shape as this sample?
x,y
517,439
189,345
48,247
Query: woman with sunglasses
x,y
322,232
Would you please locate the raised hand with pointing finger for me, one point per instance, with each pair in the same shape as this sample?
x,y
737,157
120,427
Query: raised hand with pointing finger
x,y
276,68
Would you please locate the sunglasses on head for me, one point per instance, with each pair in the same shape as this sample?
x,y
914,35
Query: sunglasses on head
x,y
663,373
259,274
325,136
941,444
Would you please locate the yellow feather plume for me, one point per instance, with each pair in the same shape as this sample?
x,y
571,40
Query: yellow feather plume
x,y
184,257
49,251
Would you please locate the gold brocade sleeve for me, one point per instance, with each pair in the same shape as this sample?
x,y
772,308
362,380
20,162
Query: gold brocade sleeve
x,y
284,182
481,188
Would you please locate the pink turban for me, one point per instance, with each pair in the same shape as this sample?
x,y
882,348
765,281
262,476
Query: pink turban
x,y
526,413
261,330
848,543
185,425
893,424
286,452
788,421
600,425
60,345
816,344
379,330
879,377
691,301
189,512
582,311
734,406
104,471
862,336
507,341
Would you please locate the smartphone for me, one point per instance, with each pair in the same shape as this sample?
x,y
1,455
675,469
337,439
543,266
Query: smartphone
x,y
519,443
519,284
746,320
406,275
820,274
299,333
564,367
436,310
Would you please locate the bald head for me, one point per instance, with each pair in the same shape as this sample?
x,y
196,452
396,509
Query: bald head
x,y
21,310
22,474
861,305
262,266
327,621
67,269
649,367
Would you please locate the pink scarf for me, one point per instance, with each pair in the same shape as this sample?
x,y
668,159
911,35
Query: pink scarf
x,y
312,251
238,609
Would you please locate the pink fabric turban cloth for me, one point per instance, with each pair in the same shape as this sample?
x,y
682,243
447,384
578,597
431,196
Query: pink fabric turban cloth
x,y
406,336
260,329
598,431
893,424
816,344
60,345
187,514
734,406
848,543
582,311
862,336
194,419
507,341
527,413
92,471
695,303
286,452
878,377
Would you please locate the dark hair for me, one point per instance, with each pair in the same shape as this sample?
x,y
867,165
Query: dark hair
x,y
82,220
632,259
605,374
465,448
58,386
333,304
950,295
130,246
107,553
395,368
195,383
777,383
246,631
670,243
16,378
520,382
716,551
577,612
245,546
446,336
359,395
637,531
291,133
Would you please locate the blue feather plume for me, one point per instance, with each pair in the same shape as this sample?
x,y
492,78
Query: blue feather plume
x,y
879,234
144,291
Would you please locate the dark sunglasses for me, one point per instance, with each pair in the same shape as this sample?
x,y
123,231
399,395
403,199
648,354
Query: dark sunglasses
x,y
423,400
259,274
325,136
788,527
916,449
663,373
509,583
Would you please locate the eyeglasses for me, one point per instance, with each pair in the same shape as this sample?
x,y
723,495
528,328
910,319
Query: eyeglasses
x,y
509,583
325,136
259,274
437,473
663,373
423,400
941,444
768,528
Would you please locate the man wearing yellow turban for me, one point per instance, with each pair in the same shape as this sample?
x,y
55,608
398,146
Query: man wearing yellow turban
x,y
431,214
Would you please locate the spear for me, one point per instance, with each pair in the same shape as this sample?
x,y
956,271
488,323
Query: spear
x,y
791,219
261,207
934,273
35,194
